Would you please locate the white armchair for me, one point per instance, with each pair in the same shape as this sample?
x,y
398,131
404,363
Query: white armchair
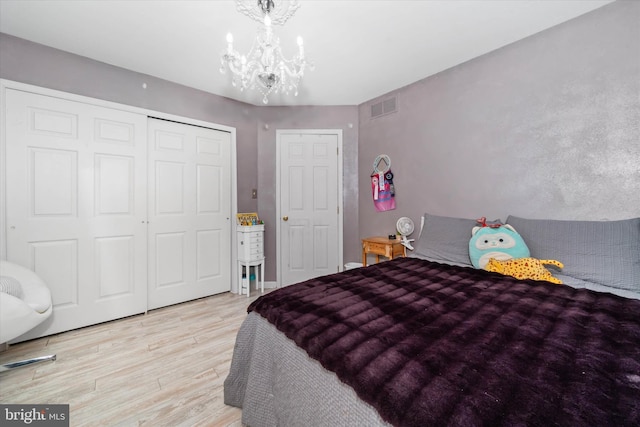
x,y
25,302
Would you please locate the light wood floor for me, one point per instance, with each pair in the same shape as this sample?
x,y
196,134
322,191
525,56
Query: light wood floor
x,y
163,368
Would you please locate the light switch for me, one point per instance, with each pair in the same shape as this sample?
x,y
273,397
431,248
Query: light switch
x,y
254,193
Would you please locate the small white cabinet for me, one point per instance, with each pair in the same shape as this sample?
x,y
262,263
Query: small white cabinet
x,y
250,254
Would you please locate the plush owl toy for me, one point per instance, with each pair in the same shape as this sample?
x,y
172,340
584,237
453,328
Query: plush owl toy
x,y
501,242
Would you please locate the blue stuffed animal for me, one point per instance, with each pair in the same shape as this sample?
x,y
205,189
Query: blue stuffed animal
x,y
501,242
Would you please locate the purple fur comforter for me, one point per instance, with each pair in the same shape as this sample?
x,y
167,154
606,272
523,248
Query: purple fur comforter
x,y
428,344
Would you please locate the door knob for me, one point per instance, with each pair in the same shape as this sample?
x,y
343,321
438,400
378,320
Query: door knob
x,y
285,218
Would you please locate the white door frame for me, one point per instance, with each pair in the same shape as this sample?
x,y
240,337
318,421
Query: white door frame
x,y
10,84
279,133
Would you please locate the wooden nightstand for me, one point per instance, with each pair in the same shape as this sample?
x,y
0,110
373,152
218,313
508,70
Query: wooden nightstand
x,y
381,246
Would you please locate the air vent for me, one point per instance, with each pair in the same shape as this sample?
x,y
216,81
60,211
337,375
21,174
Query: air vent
x,y
386,106
376,110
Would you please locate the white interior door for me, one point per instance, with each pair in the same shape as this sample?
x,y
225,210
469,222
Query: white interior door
x,y
76,205
309,193
189,212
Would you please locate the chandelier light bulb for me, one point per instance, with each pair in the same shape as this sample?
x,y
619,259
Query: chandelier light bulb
x,y
300,46
267,20
229,44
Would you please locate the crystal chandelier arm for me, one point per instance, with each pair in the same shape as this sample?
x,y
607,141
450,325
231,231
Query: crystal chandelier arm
x,y
249,77
294,67
232,61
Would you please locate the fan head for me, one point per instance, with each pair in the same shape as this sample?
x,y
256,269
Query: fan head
x,y
405,226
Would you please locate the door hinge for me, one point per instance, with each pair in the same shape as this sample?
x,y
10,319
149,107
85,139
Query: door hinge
x,y
337,151
338,210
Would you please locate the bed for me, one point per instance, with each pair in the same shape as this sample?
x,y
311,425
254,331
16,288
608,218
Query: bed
x,y
428,340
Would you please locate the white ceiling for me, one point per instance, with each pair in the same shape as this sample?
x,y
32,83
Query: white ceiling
x,y
361,49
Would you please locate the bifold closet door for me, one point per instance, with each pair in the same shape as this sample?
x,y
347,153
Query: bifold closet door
x,y
76,177
189,212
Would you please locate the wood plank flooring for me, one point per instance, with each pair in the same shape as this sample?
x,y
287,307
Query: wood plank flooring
x,y
163,368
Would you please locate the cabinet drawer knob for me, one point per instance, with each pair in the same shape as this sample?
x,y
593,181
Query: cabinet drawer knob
x,y
285,218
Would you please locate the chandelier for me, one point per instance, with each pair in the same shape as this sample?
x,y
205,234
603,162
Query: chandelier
x,y
265,68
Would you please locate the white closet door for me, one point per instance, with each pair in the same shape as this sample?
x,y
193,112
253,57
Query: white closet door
x,y
189,212
76,206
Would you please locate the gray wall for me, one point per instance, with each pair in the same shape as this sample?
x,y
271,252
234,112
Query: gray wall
x,y
547,127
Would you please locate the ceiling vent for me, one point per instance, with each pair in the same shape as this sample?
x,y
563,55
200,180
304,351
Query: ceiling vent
x,y
386,106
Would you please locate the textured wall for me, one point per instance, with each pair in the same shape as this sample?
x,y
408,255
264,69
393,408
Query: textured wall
x,y
547,127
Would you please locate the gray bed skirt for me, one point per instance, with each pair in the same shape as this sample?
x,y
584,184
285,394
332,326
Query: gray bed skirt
x,y
277,384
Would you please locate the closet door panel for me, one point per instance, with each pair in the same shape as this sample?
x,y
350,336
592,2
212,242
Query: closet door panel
x,y
52,182
76,206
115,271
189,212
169,259
58,261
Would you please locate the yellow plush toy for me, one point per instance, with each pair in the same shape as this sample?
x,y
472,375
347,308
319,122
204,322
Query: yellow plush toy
x,y
525,268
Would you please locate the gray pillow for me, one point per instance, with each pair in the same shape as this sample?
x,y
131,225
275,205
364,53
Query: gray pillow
x,y
445,239
602,252
11,285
